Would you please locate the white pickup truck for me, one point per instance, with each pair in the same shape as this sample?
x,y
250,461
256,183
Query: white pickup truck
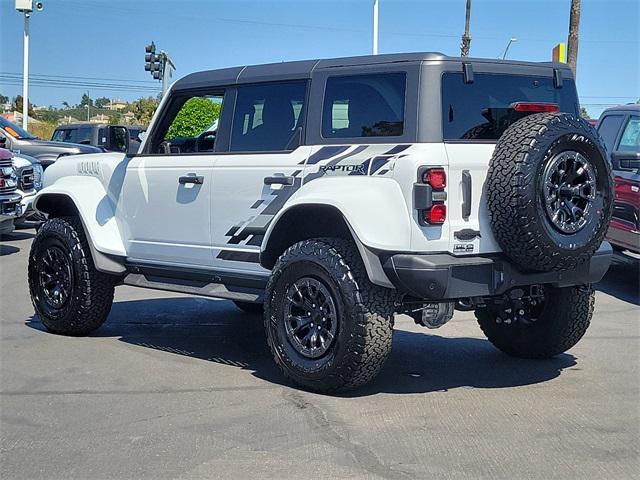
x,y
336,193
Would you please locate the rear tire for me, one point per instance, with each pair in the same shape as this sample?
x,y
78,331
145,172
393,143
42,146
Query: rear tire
x,y
68,293
558,324
324,281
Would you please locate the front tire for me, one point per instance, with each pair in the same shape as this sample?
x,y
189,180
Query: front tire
x,y
542,328
68,293
329,328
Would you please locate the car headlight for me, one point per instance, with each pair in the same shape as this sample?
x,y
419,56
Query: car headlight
x,y
37,176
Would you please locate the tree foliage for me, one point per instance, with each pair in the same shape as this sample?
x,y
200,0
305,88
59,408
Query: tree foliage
x,y
195,116
17,105
102,102
584,113
144,108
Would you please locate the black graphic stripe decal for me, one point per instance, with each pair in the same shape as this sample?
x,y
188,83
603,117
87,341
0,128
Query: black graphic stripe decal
x,y
257,204
377,163
324,153
249,257
397,149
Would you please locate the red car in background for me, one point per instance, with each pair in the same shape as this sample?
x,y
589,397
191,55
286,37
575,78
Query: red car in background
x,y
619,127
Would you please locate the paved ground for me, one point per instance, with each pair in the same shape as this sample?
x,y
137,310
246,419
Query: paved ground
x,y
183,387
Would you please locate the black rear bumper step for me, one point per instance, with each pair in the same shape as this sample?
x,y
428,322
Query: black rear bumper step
x,y
444,276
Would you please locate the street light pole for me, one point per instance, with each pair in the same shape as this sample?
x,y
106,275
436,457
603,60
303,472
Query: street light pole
x,y
25,72
375,27
506,50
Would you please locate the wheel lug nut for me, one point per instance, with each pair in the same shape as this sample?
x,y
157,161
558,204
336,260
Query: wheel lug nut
x,y
521,312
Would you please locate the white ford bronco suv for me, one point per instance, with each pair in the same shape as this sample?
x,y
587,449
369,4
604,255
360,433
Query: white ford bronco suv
x,y
333,194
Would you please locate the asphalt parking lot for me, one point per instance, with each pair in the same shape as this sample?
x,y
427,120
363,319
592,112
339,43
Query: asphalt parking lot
x,y
183,387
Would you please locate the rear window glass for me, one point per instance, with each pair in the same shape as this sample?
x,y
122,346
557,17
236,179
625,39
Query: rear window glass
x,y
482,110
364,106
609,128
73,135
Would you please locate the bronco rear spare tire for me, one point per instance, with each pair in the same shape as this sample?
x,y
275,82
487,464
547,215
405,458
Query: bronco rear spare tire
x,y
549,192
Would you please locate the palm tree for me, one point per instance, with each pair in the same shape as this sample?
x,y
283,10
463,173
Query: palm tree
x,y
574,26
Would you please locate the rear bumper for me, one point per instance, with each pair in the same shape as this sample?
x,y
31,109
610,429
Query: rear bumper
x,y
443,276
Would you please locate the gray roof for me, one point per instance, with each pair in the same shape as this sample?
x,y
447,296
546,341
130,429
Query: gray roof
x,y
631,107
304,68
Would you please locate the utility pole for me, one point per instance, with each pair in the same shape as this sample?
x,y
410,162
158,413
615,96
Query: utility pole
x,y
26,8
375,27
88,106
465,46
572,43
25,72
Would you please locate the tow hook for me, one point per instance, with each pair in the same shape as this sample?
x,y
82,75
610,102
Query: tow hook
x,y
433,315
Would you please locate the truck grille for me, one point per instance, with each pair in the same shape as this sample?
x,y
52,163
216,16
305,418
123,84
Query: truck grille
x,y
25,178
8,175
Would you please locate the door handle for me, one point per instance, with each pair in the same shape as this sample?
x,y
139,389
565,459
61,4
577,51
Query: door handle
x,y
279,180
466,194
194,179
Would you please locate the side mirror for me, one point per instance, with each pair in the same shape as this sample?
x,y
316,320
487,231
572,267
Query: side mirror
x,y
4,142
117,139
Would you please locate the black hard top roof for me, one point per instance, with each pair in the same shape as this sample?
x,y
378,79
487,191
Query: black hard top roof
x,y
304,68
631,107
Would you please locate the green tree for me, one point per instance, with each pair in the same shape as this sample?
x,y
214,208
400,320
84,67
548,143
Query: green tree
x,y
4,99
86,100
102,102
195,116
584,113
17,105
66,105
144,108
115,118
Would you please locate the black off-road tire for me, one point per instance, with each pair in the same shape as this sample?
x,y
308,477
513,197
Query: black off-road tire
x,y
515,194
564,319
365,326
250,308
92,291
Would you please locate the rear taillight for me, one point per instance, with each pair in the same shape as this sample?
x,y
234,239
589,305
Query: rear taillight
x,y
436,215
436,177
430,196
1,182
535,107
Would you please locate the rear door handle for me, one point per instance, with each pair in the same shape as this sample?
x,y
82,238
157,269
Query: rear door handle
x,y
195,179
279,180
466,194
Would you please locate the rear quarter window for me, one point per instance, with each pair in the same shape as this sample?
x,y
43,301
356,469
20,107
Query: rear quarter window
x,y
481,110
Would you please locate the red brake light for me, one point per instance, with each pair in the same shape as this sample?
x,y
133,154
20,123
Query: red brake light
x,y
533,107
436,215
436,177
1,182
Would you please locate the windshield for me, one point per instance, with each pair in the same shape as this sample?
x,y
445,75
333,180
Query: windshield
x,y
14,130
482,110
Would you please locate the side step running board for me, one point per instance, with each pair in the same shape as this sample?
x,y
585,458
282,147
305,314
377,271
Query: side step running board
x,y
204,283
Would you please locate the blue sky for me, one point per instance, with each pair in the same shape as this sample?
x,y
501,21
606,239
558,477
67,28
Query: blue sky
x,y
105,39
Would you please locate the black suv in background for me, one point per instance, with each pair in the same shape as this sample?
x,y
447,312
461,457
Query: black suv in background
x,y
16,139
108,137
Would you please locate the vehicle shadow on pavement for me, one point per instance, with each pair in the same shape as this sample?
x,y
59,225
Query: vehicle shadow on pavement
x,y
8,250
216,331
16,235
623,279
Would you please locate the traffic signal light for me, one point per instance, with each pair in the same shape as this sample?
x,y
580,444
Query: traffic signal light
x,y
151,58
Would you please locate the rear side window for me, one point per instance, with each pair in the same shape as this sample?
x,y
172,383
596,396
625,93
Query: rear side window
x,y
482,110
364,106
608,130
267,116
630,140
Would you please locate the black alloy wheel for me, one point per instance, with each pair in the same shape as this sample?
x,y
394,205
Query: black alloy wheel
x,y
569,189
55,281
311,321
